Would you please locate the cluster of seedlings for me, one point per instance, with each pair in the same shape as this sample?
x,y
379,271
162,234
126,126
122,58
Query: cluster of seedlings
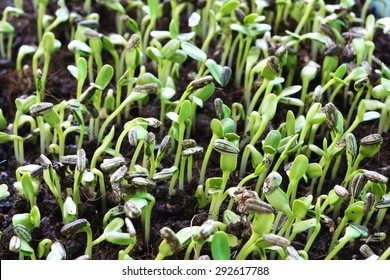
x,y
291,149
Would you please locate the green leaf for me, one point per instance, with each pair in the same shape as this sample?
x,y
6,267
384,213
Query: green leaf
x,y
289,91
4,138
183,37
160,35
149,78
153,8
271,142
314,170
115,225
268,106
104,77
73,70
317,150
173,116
252,18
117,39
4,191
154,53
217,128
6,27
179,57
355,211
47,42
292,101
340,72
115,6
205,92
194,19
173,29
314,36
372,115
220,248
304,225
239,28
194,52
119,238
228,7
28,187
167,93
139,202
298,168
184,235
197,101
185,112
299,209
79,46
215,70
170,48
386,84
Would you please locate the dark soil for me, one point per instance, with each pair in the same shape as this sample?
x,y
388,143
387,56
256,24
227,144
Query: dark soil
x,y
175,212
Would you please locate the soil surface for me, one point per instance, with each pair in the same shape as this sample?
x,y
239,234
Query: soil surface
x,y
175,212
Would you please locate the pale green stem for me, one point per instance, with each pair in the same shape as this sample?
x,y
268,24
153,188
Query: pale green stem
x,y
206,159
256,97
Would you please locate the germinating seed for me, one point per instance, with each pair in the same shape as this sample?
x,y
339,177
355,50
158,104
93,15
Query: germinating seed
x,y
218,107
15,244
41,108
135,174
141,182
132,136
92,34
369,202
81,160
171,238
192,151
130,227
357,184
151,88
74,227
276,239
366,251
384,203
91,23
44,161
292,253
112,164
375,177
23,233
69,159
206,229
132,210
36,171
188,143
153,122
371,140
271,182
225,147
375,237
166,144
150,138
341,191
83,258
119,174
258,206
58,249
201,82
331,115
133,42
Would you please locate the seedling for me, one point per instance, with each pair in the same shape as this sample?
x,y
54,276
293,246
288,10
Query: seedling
x,y
353,231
